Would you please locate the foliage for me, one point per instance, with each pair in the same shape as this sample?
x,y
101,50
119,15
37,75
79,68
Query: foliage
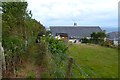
x,y
85,40
107,43
31,75
48,33
38,52
58,49
19,31
97,37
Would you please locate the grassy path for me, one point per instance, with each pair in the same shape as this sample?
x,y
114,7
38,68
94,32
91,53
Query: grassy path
x,y
29,70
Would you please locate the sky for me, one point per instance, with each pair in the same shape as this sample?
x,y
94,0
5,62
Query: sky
x,y
103,13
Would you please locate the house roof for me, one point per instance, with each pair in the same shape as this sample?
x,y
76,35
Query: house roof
x,y
75,31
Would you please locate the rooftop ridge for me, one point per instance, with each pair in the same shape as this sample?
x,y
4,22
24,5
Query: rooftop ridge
x,y
68,26
75,27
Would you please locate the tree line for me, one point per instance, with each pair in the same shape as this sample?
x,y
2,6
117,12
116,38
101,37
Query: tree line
x,y
96,38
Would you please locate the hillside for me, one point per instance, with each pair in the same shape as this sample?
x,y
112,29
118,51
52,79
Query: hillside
x,y
101,61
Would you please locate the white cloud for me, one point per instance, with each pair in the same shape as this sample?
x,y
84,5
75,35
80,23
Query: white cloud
x,y
56,12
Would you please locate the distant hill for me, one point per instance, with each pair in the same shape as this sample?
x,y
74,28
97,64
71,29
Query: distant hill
x,y
113,35
112,29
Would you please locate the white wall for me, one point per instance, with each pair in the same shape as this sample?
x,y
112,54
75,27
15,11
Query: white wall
x,y
72,40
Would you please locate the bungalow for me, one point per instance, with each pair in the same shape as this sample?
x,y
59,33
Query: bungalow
x,y
73,33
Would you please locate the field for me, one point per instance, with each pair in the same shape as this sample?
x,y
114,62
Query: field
x,y
94,60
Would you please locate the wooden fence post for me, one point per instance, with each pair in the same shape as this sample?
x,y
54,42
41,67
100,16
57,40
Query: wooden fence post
x,y
69,68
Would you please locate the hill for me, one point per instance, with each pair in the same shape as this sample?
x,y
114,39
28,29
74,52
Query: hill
x,y
101,61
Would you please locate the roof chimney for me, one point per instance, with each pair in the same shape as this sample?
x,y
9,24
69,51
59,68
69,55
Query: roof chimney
x,y
75,24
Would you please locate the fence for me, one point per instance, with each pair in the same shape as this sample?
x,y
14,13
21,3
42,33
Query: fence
x,y
70,69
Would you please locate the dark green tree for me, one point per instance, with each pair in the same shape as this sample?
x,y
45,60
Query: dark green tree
x,y
97,37
19,31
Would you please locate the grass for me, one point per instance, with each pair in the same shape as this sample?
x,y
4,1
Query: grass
x,y
96,61
101,61
32,65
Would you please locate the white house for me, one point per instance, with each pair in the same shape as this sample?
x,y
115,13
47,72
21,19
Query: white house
x,y
74,33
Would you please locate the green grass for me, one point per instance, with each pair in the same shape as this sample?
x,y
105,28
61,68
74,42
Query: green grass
x,y
102,61
31,74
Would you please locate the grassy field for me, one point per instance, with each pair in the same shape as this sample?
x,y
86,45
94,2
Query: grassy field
x,y
94,59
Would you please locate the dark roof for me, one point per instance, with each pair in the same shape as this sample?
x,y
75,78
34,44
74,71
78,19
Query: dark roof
x,y
75,31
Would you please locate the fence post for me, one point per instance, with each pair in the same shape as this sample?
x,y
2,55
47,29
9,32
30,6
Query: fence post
x,y
69,68
2,62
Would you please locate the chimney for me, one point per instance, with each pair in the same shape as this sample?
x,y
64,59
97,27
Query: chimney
x,y
75,24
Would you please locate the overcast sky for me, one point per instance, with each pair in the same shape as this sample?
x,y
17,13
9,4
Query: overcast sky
x,y
103,13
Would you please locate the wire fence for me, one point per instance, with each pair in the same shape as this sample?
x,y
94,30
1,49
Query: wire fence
x,y
75,71
82,71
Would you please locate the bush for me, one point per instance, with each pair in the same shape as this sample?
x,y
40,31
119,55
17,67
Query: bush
x,y
57,49
37,53
85,40
107,44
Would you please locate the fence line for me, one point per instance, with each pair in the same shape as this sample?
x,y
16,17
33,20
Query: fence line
x,y
81,70
91,71
52,61
74,65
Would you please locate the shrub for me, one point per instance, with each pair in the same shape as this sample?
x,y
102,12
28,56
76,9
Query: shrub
x,y
57,49
85,40
107,44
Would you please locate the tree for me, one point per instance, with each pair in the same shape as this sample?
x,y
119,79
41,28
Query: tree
x,y
97,37
13,28
85,40
19,31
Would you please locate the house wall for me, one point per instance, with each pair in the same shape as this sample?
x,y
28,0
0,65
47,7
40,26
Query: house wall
x,y
74,40
62,38
71,40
